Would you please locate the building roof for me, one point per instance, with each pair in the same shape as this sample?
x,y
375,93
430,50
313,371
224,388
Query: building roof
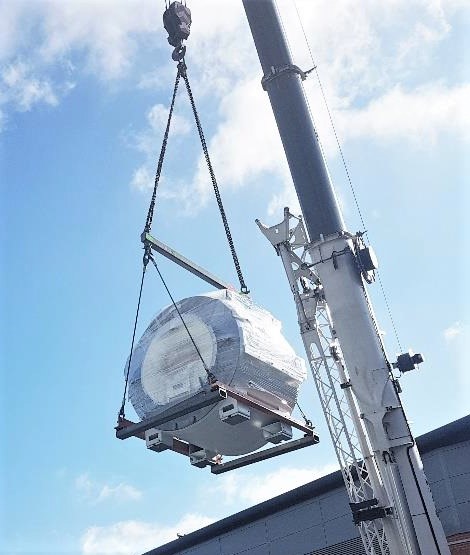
x,y
452,433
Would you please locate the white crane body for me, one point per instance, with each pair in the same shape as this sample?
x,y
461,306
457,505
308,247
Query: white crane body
x,y
327,269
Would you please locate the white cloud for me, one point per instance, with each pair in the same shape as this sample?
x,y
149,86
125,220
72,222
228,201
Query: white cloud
x,y
105,31
102,37
419,116
158,78
120,492
254,488
453,331
19,86
135,537
365,56
95,492
149,140
240,149
157,118
142,179
375,61
11,18
456,336
286,197
21,89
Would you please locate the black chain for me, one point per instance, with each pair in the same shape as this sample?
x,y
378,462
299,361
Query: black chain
x,y
121,413
308,422
183,71
148,223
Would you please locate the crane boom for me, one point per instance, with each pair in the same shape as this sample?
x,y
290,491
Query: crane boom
x,y
327,269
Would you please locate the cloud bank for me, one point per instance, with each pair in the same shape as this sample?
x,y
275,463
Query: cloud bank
x,y
132,537
95,492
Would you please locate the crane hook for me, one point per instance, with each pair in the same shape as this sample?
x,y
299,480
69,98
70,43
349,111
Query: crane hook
x,y
177,23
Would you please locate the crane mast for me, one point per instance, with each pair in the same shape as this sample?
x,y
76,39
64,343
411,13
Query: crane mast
x,y
328,268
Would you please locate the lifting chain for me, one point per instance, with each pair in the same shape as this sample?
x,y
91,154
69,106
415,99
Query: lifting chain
x,y
179,30
182,72
148,222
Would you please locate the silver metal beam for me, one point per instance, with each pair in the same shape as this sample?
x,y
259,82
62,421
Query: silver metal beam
x,y
265,454
182,261
199,401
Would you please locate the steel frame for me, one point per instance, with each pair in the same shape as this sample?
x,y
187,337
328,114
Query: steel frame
x,y
210,397
330,375
177,258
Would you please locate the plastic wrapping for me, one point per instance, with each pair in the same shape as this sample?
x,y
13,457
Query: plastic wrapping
x,y
240,343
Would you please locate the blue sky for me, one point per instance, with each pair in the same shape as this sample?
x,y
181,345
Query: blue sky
x,y
84,88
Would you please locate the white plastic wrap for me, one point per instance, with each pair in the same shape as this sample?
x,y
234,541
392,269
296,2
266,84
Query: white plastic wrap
x,y
240,342
241,345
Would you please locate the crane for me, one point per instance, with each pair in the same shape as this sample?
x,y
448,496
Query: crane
x,y
328,270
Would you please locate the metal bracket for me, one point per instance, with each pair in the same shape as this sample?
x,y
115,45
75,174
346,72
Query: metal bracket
x,y
126,428
182,261
281,70
246,400
283,233
265,454
218,391
368,510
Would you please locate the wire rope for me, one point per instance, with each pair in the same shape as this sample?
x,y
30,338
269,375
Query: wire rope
x,y
346,169
210,376
121,413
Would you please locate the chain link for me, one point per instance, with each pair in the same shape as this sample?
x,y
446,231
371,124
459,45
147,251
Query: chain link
x,y
148,222
151,210
183,70
121,413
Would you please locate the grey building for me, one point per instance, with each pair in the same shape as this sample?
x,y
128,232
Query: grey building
x,y
315,519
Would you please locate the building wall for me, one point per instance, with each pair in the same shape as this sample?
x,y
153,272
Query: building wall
x,y
323,525
460,544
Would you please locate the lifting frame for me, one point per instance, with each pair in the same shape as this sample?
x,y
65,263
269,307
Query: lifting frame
x,y
211,395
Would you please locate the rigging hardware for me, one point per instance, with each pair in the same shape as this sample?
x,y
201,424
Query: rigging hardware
x,y
182,72
177,22
121,413
276,72
210,377
184,262
243,287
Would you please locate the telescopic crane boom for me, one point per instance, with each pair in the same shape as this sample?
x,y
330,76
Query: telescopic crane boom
x,y
327,268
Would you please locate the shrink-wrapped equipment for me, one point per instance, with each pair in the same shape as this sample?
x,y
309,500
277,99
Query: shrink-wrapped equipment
x,y
241,345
